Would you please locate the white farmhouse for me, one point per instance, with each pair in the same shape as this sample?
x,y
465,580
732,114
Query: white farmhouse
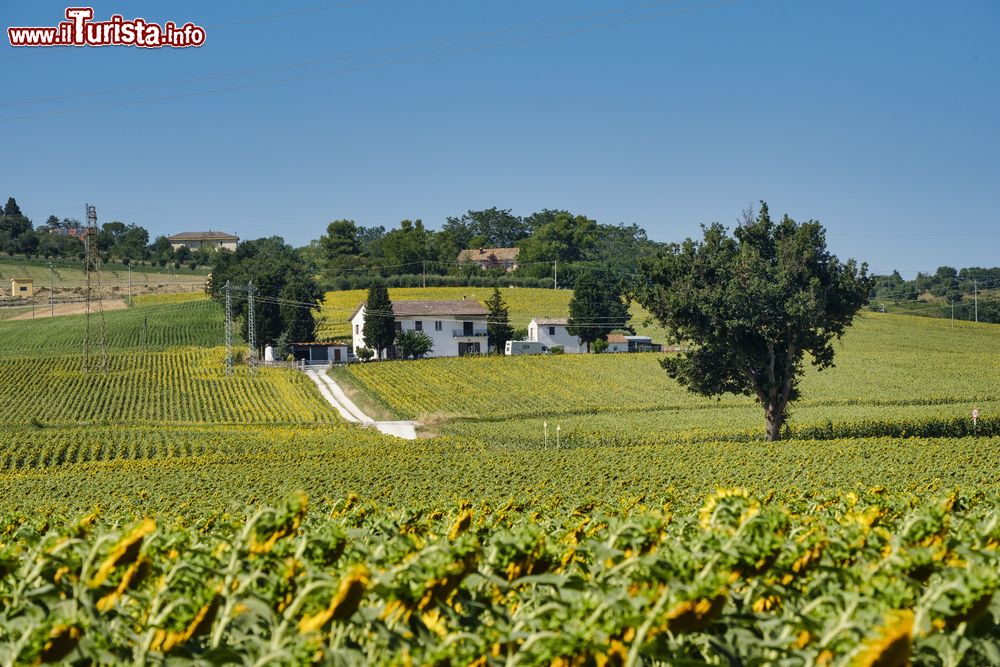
x,y
457,328
552,333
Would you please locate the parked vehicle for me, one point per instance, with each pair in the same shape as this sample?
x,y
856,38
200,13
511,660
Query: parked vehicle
x,y
515,347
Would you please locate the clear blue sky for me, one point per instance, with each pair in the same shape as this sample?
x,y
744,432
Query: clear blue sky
x,y
880,119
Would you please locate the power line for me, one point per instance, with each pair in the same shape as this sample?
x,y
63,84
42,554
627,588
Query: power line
x,y
373,66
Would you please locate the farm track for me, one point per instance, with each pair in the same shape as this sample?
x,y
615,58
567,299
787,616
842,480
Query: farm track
x,y
332,392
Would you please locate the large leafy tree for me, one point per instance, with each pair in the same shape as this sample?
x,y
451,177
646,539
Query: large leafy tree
x,y
498,329
596,308
380,325
286,291
751,306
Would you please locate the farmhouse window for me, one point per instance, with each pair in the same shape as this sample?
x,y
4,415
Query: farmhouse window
x,y
357,329
418,325
437,325
552,331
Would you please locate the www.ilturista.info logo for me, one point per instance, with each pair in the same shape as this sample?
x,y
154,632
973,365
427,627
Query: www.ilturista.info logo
x,y
81,30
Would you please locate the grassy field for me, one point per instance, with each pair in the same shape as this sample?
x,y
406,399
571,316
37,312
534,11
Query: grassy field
x,y
523,303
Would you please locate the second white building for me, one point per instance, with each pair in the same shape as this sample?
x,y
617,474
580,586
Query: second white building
x,y
551,332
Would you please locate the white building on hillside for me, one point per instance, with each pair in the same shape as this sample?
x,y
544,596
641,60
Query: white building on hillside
x,y
552,333
457,328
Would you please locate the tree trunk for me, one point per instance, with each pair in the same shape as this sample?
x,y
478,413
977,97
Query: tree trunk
x,y
775,419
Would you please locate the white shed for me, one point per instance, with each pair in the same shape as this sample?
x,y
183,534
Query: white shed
x,y
552,333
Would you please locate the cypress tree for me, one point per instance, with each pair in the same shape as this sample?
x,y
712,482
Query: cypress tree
x,y
498,329
380,326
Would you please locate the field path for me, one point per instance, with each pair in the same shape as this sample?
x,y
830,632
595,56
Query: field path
x,y
332,392
43,310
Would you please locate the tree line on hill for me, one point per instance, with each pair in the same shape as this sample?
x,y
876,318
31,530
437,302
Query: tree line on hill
x,y
116,241
957,291
350,256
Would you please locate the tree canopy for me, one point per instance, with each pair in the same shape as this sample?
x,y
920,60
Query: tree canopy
x,y
287,294
596,308
751,305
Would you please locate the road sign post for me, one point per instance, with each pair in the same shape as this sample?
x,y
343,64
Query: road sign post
x,y
975,420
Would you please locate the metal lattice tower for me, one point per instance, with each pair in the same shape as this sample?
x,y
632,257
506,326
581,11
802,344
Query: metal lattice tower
x,y
229,329
92,269
251,329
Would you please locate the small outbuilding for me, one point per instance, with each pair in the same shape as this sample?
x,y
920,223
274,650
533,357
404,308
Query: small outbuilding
x,y
320,353
617,343
552,332
22,287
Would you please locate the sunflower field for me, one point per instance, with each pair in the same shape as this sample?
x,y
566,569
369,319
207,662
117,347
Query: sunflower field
x,y
869,580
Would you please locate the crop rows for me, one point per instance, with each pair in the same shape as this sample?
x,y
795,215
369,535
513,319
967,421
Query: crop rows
x,y
177,386
869,580
155,324
196,471
883,362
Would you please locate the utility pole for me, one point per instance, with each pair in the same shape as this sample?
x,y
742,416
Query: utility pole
x,y
130,284
52,303
251,329
423,264
229,329
975,292
555,274
92,269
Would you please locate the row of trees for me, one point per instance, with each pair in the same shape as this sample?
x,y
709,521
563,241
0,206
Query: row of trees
x,y
349,255
124,242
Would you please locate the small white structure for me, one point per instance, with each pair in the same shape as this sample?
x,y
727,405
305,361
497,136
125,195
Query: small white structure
x,y
623,343
456,328
320,353
268,354
617,343
552,332
517,347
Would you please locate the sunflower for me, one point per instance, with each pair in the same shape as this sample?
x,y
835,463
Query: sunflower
x,y
891,646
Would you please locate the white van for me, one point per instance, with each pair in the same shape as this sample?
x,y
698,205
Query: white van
x,y
515,347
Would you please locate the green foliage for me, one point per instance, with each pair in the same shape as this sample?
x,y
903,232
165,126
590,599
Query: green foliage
x,y
498,329
753,305
279,275
855,579
596,308
379,323
600,345
412,344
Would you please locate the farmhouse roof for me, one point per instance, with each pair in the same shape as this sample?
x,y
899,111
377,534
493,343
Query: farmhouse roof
x,y
551,321
455,307
203,236
22,280
488,254
617,338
